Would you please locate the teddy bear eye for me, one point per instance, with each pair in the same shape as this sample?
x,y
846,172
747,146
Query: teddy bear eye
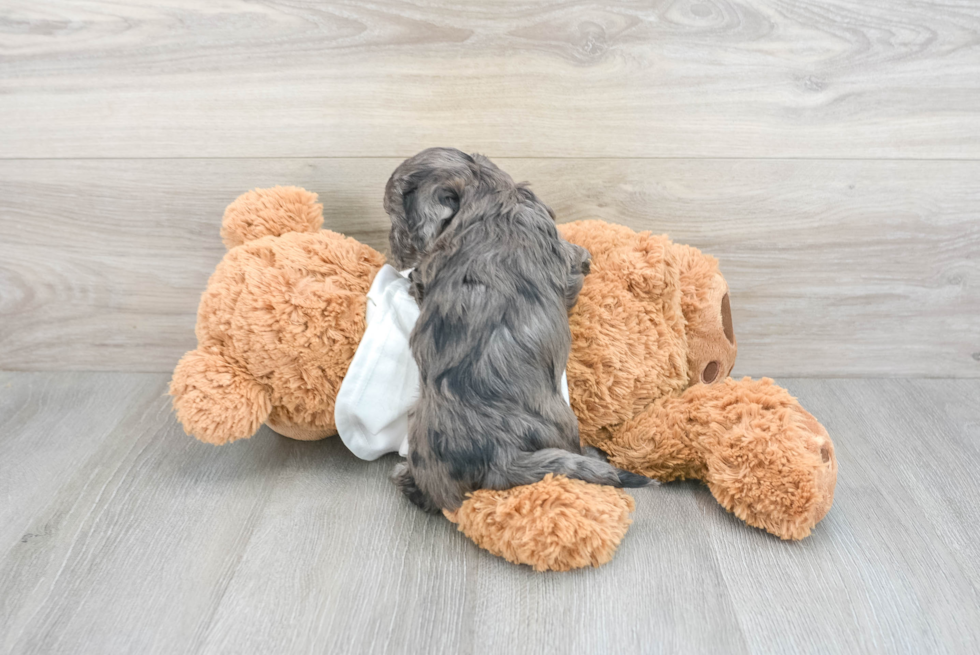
x,y
710,372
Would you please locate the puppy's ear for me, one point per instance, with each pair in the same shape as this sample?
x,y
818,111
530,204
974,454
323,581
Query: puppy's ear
x,y
432,203
524,189
422,197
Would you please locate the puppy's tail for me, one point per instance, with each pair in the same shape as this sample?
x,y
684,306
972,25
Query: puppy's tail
x,y
528,468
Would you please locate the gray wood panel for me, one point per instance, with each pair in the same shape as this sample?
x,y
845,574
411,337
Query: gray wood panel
x,y
140,539
122,560
837,268
827,153
754,78
50,424
896,569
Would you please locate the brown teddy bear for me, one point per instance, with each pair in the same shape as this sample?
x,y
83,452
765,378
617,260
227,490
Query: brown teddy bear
x,y
652,347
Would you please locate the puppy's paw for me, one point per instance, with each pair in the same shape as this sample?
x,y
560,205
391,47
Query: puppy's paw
x,y
581,260
580,264
402,477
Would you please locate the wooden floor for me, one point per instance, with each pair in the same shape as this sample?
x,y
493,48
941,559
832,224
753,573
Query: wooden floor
x,y
119,534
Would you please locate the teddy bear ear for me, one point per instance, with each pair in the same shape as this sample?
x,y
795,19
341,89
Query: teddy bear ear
x,y
270,212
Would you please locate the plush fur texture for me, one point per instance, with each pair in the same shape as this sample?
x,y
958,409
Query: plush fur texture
x,y
279,324
554,525
494,282
270,212
762,455
765,458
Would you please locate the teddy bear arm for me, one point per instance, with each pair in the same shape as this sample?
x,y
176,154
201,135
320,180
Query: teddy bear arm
x,y
770,462
764,457
657,442
216,400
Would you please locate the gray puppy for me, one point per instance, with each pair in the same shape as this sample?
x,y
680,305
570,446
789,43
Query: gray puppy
x,y
494,281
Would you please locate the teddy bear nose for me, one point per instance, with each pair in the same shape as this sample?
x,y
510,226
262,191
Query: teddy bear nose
x,y
710,372
825,452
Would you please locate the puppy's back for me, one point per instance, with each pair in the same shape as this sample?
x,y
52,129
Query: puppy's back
x,y
491,343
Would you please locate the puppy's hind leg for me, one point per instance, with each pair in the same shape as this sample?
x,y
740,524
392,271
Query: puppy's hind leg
x,y
528,468
405,481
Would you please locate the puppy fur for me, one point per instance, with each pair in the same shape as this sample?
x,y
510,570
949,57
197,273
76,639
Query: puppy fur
x,y
494,281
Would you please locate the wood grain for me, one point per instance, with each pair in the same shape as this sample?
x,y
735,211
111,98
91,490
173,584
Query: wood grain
x,y
827,152
117,551
136,538
836,267
711,78
901,534
49,424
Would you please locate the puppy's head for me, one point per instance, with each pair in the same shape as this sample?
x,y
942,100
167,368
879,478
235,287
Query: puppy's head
x,y
427,191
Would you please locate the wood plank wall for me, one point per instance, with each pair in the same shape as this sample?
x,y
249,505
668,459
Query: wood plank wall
x,y
828,152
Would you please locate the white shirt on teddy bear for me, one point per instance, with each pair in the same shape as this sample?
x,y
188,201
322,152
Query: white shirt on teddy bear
x,y
382,381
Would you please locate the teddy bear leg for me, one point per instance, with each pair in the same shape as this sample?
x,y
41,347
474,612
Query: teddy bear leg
x,y
556,524
216,401
771,463
763,456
